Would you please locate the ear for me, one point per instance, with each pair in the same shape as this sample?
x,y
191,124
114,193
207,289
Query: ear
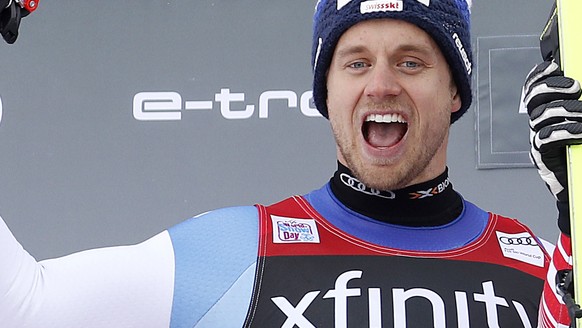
x,y
456,102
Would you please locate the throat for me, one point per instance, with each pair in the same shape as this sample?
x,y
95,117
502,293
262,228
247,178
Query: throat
x,y
431,203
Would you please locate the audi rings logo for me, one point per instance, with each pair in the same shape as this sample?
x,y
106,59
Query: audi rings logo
x,y
522,247
357,185
525,241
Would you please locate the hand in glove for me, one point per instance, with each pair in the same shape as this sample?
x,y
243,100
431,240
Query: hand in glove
x,y
555,113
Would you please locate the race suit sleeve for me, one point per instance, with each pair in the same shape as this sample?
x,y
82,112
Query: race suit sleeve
x,y
128,286
553,312
187,276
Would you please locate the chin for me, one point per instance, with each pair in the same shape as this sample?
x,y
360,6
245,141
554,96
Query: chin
x,y
381,178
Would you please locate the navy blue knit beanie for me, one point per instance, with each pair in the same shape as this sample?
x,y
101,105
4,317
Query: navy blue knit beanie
x,y
446,21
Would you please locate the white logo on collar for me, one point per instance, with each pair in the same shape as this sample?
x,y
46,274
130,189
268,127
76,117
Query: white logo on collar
x,y
293,230
342,3
522,247
357,185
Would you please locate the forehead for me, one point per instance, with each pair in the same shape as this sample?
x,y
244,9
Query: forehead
x,y
387,32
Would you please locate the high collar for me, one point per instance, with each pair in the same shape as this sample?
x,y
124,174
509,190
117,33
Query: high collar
x,y
430,203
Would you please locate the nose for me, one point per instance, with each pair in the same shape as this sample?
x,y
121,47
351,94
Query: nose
x,y
383,83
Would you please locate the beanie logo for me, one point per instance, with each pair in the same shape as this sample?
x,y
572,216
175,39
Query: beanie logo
x,y
342,3
390,5
463,52
373,6
317,52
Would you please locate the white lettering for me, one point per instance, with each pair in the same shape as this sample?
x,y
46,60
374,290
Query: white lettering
x,y
400,297
491,301
306,108
425,193
375,310
225,98
157,106
522,314
461,48
290,96
341,294
168,106
462,309
342,3
373,6
295,314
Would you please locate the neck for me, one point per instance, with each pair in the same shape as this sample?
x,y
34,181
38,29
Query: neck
x,y
430,203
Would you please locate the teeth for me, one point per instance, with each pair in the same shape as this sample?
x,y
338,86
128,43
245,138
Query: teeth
x,y
386,118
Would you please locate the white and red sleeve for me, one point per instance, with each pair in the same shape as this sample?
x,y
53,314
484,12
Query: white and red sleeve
x,y
553,312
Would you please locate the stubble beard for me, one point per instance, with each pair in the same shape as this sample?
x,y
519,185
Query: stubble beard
x,y
392,173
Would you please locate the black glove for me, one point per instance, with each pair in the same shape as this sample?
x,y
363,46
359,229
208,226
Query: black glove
x,y
10,15
555,113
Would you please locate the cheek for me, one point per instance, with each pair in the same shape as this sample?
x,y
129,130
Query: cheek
x,y
333,88
344,92
340,100
442,100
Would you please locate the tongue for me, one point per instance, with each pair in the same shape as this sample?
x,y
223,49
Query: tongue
x,y
384,134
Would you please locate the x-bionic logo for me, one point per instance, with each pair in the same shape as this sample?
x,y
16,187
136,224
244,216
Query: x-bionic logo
x,y
168,106
341,294
420,194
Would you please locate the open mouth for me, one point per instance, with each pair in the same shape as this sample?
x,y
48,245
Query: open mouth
x,y
383,131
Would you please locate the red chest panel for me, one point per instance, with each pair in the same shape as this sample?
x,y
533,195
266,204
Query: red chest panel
x,y
310,274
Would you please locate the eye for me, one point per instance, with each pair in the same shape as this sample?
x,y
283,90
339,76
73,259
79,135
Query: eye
x,y
358,65
410,64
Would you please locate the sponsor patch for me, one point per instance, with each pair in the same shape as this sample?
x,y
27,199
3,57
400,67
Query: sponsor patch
x,y
522,247
373,6
293,230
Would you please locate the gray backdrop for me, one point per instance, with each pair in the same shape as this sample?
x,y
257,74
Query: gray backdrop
x,y
101,142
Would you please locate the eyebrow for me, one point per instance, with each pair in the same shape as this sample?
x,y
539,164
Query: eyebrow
x,y
428,50
350,50
358,49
